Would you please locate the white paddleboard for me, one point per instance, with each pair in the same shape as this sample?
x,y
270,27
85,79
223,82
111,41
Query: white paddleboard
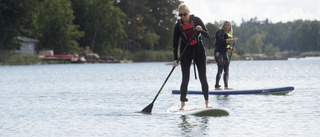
x,y
198,111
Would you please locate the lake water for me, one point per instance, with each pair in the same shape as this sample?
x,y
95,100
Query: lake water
x,y
102,100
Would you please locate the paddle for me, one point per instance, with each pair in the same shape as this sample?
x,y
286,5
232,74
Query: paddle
x,y
231,52
148,108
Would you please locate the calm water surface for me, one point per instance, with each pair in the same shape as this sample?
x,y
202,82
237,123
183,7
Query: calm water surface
x,y
102,100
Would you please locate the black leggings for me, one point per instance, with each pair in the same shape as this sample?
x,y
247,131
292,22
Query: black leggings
x,y
223,65
197,53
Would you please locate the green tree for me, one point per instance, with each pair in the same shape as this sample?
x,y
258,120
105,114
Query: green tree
x,y
102,23
15,20
308,36
149,24
135,28
270,50
210,42
303,42
254,44
240,49
56,28
161,19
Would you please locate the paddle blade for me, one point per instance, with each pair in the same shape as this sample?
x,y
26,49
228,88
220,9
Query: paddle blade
x,y
147,109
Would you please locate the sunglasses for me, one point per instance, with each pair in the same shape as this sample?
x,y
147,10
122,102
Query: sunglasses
x,y
184,14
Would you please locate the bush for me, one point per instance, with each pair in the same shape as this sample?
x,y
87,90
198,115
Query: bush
x,y
149,56
11,58
310,53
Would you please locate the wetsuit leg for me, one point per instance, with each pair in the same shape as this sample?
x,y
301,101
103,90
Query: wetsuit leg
x,y
219,60
225,69
185,68
201,62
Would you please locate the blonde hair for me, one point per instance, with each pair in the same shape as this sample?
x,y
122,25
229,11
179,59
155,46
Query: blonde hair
x,y
223,27
183,7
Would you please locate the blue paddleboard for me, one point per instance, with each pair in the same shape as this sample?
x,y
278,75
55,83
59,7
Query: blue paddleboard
x,y
271,91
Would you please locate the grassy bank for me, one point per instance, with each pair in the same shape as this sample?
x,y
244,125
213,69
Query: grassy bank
x,y
311,53
154,56
164,56
11,58
149,56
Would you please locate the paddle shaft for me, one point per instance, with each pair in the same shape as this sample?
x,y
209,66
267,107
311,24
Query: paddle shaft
x,y
231,52
148,108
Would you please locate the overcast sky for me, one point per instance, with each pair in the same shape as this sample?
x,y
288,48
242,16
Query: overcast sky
x,y
236,10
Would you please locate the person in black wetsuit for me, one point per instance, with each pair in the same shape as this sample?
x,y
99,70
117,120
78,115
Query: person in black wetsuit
x,y
223,39
185,27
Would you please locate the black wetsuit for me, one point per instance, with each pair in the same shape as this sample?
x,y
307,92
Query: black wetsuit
x,y
195,52
221,57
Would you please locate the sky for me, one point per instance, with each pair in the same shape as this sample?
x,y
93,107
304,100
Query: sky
x,y
237,10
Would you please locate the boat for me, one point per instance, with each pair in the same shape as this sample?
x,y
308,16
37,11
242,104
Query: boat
x,y
265,91
66,58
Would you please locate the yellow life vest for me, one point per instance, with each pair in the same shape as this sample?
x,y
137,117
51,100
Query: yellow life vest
x,y
229,37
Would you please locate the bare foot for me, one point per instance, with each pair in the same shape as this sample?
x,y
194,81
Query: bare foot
x,y
182,106
207,104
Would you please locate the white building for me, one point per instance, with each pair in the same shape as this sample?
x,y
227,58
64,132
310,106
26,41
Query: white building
x,y
28,45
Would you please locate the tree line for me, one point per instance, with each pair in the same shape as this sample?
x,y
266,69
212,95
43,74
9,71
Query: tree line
x,y
111,27
266,37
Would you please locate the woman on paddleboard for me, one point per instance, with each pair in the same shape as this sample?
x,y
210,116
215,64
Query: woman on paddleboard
x,y
223,39
184,29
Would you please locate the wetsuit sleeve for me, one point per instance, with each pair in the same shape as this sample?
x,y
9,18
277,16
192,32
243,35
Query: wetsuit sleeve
x,y
205,32
175,42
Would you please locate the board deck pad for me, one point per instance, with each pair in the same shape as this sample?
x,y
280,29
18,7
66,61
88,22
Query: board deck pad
x,y
198,111
266,91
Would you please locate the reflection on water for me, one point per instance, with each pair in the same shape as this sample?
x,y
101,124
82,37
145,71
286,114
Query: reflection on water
x,y
192,125
222,97
201,125
223,100
102,100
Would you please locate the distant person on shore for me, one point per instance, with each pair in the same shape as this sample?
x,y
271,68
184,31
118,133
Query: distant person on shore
x,y
223,39
185,27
